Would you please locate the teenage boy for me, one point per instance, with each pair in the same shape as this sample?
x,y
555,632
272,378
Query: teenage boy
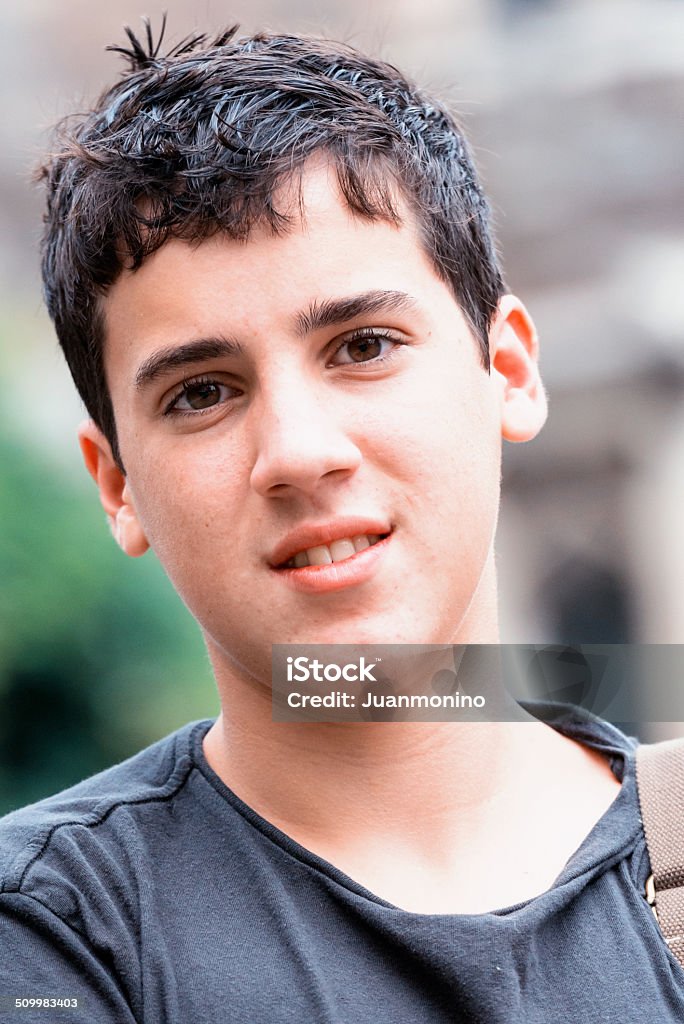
x,y
269,265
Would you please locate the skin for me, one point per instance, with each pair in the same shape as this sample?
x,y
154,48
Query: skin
x,y
302,434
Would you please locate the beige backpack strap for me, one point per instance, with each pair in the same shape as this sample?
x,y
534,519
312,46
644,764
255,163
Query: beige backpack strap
x,y
660,781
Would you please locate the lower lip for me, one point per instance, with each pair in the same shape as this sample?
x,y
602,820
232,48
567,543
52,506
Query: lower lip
x,y
323,579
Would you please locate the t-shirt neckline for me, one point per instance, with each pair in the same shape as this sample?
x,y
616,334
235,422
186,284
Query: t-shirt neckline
x,y
613,836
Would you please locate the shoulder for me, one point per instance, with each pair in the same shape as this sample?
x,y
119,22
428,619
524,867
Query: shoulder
x,y
78,834
80,876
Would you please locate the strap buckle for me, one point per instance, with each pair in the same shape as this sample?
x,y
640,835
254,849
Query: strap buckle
x,y
650,892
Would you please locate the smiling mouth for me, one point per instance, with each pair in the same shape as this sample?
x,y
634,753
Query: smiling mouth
x,y
336,551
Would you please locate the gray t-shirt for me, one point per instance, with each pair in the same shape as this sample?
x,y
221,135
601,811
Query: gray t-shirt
x,y
152,893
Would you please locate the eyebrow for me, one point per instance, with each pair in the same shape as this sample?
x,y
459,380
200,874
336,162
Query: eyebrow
x,y
330,312
166,360
319,314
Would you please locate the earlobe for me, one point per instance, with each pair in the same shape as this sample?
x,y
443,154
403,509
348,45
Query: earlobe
x,y
115,493
513,349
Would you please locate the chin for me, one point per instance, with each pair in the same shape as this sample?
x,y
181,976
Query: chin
x,y
373,633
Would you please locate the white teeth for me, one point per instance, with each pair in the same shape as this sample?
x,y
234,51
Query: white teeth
x,y
320,555
336,551
341,549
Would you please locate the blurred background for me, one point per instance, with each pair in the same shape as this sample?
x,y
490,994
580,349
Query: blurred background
x,y
575,113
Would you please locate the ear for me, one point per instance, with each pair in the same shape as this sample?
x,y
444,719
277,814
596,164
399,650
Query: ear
x,y
514,351
115,493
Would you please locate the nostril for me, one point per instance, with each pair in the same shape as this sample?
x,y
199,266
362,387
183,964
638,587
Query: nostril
x,y
302,463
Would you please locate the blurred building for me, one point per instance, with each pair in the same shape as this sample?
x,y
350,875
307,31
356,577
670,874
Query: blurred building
x,y
588,174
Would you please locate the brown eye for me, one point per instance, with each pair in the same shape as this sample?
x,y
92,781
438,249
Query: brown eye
x,y
201,396
361,349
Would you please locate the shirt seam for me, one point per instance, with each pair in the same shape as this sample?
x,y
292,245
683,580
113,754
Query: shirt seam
x,y
185,764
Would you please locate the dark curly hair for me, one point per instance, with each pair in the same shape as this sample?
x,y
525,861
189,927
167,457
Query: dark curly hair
x,y
199,140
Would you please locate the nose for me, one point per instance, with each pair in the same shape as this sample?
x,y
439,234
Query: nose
x,y
302,441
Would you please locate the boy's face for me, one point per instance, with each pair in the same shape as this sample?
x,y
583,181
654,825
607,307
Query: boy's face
x,y
262,413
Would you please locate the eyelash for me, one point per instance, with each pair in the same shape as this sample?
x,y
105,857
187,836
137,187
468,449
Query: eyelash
x,y
365,333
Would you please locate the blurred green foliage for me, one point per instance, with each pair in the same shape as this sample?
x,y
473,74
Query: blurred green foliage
x,y
98,656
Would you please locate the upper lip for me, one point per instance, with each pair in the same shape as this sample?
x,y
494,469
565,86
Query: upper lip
x,y
311,535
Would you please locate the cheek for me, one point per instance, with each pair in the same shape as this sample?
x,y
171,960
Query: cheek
x,y
441,439
187,501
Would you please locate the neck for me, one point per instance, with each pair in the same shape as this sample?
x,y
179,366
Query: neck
x,y
327,777
316,779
